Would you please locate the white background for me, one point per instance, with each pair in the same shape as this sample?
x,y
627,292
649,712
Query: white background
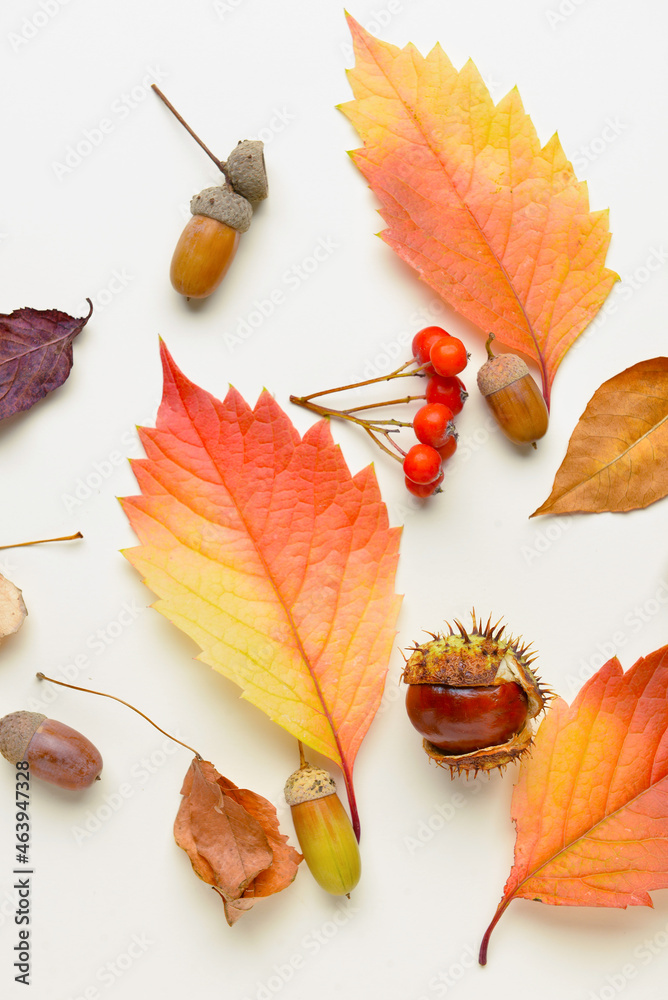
x,y
581,588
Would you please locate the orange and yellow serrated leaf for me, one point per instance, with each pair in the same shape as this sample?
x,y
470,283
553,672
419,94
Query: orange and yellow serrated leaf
x,y
499,227
278,563
591,803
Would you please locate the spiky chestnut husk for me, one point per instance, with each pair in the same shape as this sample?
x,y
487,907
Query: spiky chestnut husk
x,y
475,661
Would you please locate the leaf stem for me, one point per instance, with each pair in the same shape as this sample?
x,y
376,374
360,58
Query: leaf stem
x,y
179,118
482,956
75,687
42,541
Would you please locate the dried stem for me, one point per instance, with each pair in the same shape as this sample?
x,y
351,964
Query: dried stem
x,y
219,163
372,427
75,687
42,541
397,373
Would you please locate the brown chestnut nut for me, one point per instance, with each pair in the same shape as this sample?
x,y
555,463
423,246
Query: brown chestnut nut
x,y
472,696
54,751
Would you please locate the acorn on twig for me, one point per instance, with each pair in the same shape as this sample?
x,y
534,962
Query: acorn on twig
x,y
323,828
513,397
209,242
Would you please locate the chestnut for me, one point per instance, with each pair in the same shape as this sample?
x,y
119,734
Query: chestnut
x,y
472,695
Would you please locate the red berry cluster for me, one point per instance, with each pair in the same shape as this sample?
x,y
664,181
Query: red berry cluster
x,y
441,358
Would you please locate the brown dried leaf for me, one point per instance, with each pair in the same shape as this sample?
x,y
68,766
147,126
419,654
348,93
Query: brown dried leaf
x,y
12,608
617,457
232,838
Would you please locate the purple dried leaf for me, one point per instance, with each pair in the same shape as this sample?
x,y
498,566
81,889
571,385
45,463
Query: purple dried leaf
x,y
35,355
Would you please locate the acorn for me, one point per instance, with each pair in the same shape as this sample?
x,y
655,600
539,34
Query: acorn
x,y
324,831
473,697
55,752
513,397
209,242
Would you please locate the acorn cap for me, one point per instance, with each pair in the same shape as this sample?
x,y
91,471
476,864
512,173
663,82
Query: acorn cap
x,y
16,732
246,171
308,783
499,372
224,206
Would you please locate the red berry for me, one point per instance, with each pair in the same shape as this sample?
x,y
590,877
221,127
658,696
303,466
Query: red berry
x,y
448,356
423,489
422,464
446,389
448,449
424,340
432,424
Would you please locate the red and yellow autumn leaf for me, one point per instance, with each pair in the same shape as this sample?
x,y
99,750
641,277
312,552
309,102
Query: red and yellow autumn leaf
x,y
278,563
499,227
591,802
617,457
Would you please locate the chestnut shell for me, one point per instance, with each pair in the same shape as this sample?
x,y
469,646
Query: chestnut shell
x,y
461,720
440,673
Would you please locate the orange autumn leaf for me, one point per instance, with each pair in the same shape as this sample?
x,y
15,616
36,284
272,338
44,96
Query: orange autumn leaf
x,y
278,563
617,457
591,803
232,838
499,227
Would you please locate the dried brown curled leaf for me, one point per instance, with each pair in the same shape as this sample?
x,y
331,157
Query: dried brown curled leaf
x,y
232,838
617,457
12,608
35,355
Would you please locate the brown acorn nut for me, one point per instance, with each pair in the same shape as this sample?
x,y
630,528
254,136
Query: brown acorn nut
x,y
513,397
55,752
209,242
324,831
472,695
